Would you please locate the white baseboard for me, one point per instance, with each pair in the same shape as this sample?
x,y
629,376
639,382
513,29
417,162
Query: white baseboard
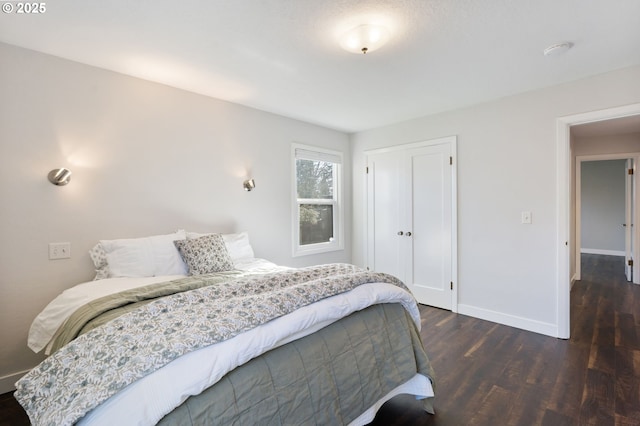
x,y
8,383
604,252
510,320
573,281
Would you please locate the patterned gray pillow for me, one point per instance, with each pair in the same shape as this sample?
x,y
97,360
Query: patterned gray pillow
x,y
99,257
205,255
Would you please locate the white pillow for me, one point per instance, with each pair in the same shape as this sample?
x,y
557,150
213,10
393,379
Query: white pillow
x,y
238,245
145,257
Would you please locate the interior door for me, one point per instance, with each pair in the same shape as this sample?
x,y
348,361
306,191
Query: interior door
x,y
383,213
429,231
631,217
628,230
410,211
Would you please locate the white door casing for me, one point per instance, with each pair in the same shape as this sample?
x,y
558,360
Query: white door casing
x,y
563,198
412,233
631,240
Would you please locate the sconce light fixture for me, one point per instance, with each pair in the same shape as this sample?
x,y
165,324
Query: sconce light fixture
x,y
59,177
249,184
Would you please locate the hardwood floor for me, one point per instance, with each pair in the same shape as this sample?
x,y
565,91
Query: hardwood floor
x,y
490,374
11,413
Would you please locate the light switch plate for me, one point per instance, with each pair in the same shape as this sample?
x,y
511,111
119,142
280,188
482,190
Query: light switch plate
x,y
526,217
59,251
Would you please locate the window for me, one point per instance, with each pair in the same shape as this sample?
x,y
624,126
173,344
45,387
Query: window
x,y
317,184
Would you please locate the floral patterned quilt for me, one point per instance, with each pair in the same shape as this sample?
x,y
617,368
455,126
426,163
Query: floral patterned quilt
x,y
95,366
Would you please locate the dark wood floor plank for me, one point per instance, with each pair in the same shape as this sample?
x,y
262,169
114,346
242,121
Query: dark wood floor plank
x,y
624,421
626,334
602,353
528,407
598,400
494,408
11,413
566,393
605,322
551,418
627,404
544,370
583,323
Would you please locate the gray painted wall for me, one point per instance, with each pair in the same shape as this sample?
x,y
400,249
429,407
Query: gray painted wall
x,y
603,205
147,159
506,164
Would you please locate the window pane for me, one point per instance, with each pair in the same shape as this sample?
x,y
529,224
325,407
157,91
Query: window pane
x,y
314,179
316,224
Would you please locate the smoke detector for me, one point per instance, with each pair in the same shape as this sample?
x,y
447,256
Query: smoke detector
x,y
557,49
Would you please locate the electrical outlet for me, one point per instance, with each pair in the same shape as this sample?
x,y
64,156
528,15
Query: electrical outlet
x,y
59,251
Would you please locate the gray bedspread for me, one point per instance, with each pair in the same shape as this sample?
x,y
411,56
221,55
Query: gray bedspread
x,y
327,378
99,363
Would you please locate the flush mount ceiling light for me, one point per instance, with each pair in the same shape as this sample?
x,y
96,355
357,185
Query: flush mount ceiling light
x,y
364,38
557,49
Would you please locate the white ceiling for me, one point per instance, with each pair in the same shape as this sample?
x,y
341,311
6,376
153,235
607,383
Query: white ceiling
x,y
283,56
617,126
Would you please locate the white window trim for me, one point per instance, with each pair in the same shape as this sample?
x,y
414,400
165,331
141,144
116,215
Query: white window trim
x,y
315,153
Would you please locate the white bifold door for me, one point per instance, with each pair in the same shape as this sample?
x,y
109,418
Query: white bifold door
x,y
411,218
630,215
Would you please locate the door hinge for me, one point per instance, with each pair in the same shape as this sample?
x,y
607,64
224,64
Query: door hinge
x,y
630,262
450,161
451,285
367,169
630,171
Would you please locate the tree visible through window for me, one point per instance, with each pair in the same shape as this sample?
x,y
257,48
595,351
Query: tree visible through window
x,y
317,179
315,188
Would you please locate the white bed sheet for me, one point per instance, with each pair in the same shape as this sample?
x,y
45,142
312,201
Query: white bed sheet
x,y
147,400
418,385
45,325
59,309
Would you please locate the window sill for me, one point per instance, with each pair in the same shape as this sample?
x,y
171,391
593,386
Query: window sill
x,y
310,249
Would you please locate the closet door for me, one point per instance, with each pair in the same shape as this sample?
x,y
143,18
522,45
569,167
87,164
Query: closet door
x,y
428,218
383,213
411,218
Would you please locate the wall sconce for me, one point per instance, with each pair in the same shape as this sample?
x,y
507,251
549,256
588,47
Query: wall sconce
x,y
59,177
249,184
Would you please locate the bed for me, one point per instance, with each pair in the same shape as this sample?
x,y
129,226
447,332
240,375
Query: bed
x,y
177,343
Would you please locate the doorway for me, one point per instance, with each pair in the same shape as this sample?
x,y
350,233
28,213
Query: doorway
x,y
565,201
605,209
